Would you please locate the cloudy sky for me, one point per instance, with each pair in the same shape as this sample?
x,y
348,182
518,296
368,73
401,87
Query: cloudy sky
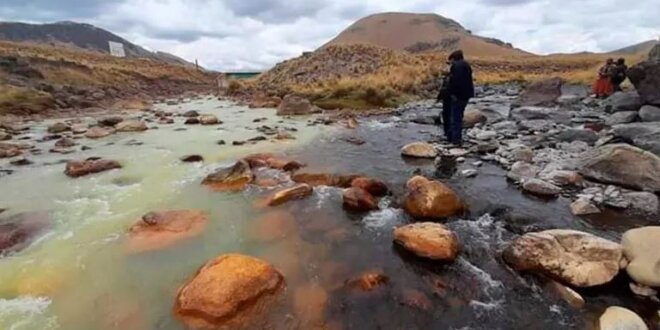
x,y
255,34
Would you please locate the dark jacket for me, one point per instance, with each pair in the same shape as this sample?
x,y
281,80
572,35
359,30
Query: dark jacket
x,y
443,94
460,80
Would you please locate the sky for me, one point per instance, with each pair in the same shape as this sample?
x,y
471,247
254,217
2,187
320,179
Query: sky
x,y
243,35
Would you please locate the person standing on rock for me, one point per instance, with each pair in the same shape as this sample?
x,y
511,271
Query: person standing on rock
x,y
603,87
619,74
460,90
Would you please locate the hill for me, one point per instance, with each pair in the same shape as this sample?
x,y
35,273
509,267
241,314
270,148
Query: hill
x,y
78,35
640,48
418,33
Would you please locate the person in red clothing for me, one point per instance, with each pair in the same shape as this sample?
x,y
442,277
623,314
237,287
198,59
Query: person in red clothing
x,y
603,87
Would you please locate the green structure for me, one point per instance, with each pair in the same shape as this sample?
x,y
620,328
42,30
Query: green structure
x,y
242,75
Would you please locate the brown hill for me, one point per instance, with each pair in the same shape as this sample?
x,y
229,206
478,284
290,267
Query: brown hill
x,y
417,33
642,48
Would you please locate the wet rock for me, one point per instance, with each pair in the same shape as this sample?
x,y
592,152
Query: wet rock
x,y
352,123
540,93
58,128
562,178
281,135
286,165
537,113
419,150
61,150
642,201
584,135
233,178
619,318
293,105
431,199
97,133
523,154
18,231
472,118
649,113
369,281
643,135
373,186
642,290
4,136
506,127
209,120
21,161
354,140
521,171
541,188
192,159
131,126
583,207
623,101
646,78
469,173
314,179
359,200
221,142
622,117
228,292
577,258
191,121
487,147
80,168
158,230
535,125
298,191
569,295
238,143
624,165
65,143
190,114
640,247
262,101
258,139
7,152
428,240
110,121
416,299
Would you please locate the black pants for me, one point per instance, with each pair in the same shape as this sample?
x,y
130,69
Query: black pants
x,y
456,121
446,116
616,82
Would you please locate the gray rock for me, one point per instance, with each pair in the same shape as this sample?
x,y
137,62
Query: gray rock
x,y
643,135
642,201
649,113
530,113
584,135
523,154
540,187
583,206
521,171
535,125
646,78
544,92
622,117
623,101
562,177
623,165
469,173
505,127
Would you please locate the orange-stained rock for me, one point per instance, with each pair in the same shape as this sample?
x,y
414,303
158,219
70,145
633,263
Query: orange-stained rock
x,y
231,178
284,164
344,180
299,191
369,281
78,168
309,304
258,160
373,186
431,199
266,182
429,240
157,230
313,179
231,291
359,200
275,225
97,132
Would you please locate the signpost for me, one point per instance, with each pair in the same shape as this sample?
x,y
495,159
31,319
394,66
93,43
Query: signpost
x,y
116,49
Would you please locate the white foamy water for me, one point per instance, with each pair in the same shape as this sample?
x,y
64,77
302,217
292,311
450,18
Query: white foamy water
x,y
26,313
384,218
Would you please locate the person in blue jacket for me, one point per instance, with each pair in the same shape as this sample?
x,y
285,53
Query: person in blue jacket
x,y
460,89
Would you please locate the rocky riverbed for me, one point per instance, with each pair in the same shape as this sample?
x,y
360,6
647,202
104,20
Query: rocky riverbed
x,y
205,214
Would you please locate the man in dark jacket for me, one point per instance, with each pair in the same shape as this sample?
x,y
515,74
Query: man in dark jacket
x,y
619,74
460,90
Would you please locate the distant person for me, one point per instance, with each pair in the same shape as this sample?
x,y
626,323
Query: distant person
x,y
619,74
603,87
445,98
460,89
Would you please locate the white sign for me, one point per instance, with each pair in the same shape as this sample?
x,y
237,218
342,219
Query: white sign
x,y
116,49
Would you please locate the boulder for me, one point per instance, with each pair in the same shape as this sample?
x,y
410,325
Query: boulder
x,y
540,93
314,179
428,240
209,120
359,200
373,186
642,201
641,246
261,101
228,292
562,177
574,134
573,257
4,136
533,113
623,165
192,159
419,150
158,230
131,126
97,133
619,318
65,143
190,114
7,152
431,199
583,207
643,135
18,231
569,295
622,117
78,168
58,128
191,121
623,101
522,171
293,105
646,78
235,177
541,188
649,113
110,121
472,118
298,191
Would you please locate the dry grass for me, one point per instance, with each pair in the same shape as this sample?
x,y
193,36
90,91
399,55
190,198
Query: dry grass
x,y
23,100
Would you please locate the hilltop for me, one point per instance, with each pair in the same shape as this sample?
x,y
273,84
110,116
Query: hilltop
x,y
78,35
418,33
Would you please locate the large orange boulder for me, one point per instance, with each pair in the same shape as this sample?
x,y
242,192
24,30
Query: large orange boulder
x,y
359,200
231,178
157,230
78,168
231,291
373,186
299,191
431,199
429,240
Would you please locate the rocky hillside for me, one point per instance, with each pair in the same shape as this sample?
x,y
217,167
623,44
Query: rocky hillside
x,y
417,33
640,48
78,35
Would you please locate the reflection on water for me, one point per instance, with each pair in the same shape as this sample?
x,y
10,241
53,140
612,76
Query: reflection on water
x,y
79,275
